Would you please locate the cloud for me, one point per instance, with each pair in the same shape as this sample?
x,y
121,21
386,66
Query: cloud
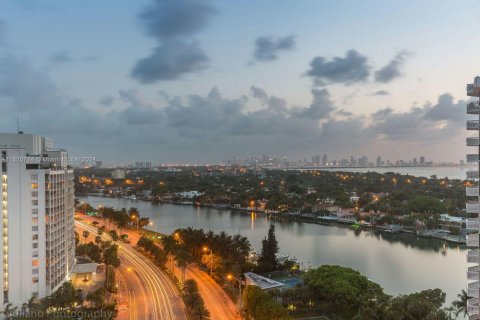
x,y
170,61
172,24
392,70
267,48
107,101
320,107
169,19
431,123
60,57
211,127
352,68
381,93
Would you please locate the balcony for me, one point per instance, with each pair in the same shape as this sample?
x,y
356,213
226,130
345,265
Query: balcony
x,y
472,157
472,240
472,273
472,306
471,191
473,256
472,174
473,224
472,125
473,107
473,90
473,142
472,207
473,289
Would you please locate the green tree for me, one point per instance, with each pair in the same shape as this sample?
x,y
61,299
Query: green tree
x,y
85,234
268,256
460,305
259,305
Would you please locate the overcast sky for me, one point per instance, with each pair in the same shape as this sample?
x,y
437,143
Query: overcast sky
x,y
206,80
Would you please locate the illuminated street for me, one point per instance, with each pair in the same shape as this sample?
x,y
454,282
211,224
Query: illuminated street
x,y
152,295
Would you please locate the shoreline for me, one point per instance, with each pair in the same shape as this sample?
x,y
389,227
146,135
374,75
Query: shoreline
x,y
310,218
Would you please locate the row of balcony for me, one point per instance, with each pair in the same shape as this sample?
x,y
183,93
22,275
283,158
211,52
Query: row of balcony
x,y
473,89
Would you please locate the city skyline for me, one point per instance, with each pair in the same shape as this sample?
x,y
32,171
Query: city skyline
x,y
209,86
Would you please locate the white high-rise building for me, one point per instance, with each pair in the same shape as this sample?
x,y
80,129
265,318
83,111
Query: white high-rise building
x,y
473,206
37,239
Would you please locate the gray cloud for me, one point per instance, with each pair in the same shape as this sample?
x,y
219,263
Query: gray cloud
x,y
170,61
267,48
173,23
392,70
212,127
107,101
167,19
432,122
352,68
321,106
60,57
381,93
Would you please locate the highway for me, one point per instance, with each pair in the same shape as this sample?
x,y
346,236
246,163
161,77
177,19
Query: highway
x,y
152,295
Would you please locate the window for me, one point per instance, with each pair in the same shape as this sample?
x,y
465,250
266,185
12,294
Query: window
x,y
34,245
34,185
34,202
35,237
34,176
35,280
34,228
34,211
34,271
35,220
35,263
34,194
35,254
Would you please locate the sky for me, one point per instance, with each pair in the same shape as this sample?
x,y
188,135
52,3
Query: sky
x,y
201,81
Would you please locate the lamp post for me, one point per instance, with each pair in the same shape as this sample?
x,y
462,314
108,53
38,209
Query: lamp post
x,y
205,249
230,277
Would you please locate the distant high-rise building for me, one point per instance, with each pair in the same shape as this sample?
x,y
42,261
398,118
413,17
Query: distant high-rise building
x,y
422,160
473,206
98,164
37,242
415,162
324,160
379,161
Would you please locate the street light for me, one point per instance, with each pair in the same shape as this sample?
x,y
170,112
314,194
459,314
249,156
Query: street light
x,y
205,249
155,225
231,277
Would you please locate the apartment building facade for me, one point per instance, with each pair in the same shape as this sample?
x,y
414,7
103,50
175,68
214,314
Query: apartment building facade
x,y
37,242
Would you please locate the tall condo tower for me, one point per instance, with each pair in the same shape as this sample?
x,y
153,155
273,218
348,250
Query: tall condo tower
x,y
37,243
473,206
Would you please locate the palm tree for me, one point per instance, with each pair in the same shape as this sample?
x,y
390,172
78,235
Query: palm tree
x,y
183,258
114,235
98,240
169,246
110,257
460,305
85,234
9,311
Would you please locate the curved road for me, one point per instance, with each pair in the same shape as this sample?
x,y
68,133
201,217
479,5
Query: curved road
x,y
159,297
